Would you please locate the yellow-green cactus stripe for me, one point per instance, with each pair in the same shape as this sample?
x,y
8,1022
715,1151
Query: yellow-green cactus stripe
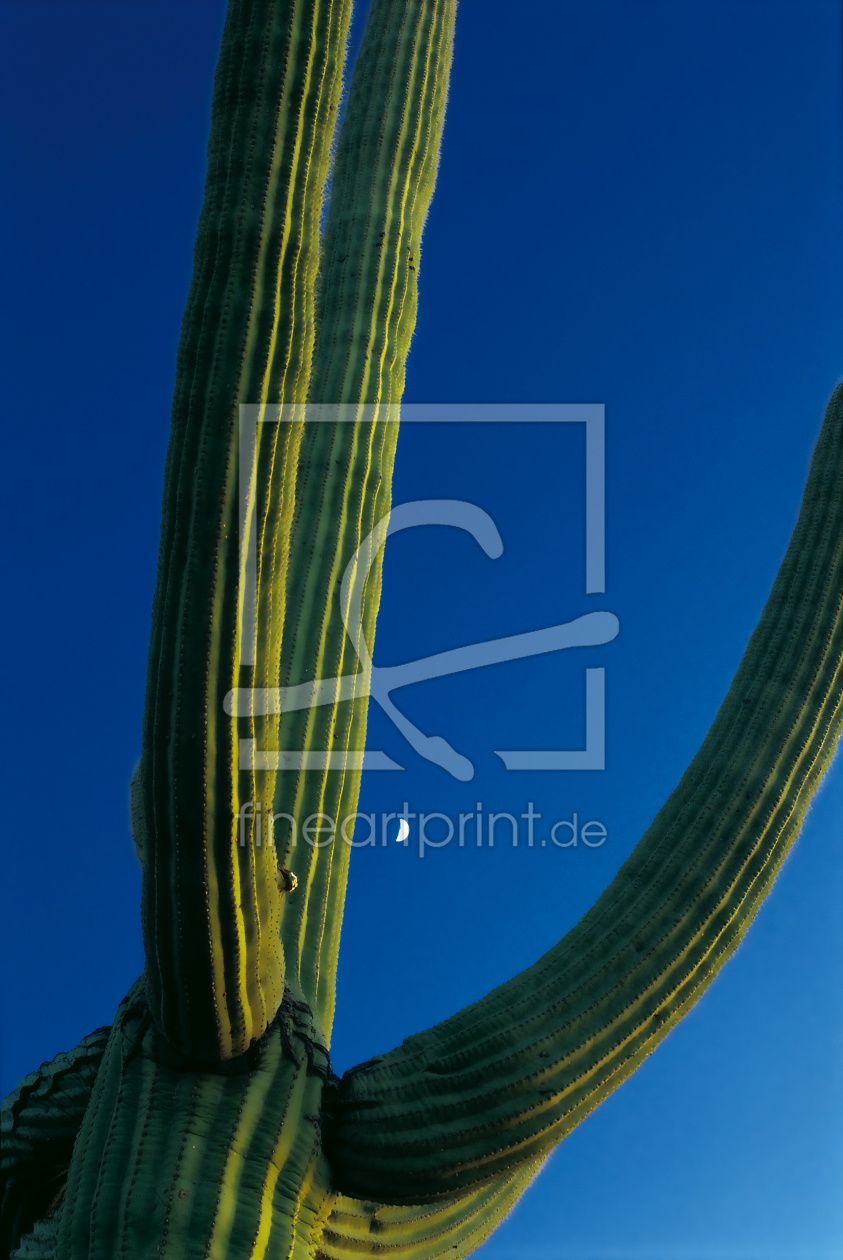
x,y
502,1080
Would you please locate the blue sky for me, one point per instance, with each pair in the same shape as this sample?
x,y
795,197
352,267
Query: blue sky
x,y
638,205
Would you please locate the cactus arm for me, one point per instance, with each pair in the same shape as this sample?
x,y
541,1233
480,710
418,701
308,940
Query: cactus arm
x,y
39,1121
358,1228
511,1075
383,181
387,158
211,909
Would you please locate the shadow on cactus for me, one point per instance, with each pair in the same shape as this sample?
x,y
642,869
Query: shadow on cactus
x,y
208,1121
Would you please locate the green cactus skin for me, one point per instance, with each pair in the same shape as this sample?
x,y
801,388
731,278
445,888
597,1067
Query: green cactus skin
x,y
508,1077
126,1090
41,1242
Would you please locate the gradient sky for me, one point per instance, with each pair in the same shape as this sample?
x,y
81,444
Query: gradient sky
x,y
638,204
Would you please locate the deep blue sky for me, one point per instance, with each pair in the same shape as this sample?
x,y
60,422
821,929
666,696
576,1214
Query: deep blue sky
x,y
638,204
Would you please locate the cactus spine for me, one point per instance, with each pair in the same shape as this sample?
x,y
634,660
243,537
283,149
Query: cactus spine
x,y
209,1124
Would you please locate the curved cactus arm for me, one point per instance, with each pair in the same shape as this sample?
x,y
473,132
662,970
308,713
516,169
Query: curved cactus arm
x,y
512,1074
357,1228
39,1121
384,175
211,907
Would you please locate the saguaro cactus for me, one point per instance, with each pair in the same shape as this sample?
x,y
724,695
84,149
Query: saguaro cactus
x,y
208,1120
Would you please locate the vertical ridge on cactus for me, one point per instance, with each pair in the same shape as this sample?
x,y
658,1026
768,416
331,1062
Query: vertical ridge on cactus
x,y
402,73
387,157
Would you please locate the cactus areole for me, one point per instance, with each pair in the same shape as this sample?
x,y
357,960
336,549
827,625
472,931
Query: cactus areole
x,y
208,1122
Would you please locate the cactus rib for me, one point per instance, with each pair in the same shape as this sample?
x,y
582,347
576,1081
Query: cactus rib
x,y
508,1077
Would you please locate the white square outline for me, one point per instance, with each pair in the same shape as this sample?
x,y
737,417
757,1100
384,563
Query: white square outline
x,y
592,757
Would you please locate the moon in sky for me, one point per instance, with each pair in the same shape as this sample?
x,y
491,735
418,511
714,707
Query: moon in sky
x,y
403,830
